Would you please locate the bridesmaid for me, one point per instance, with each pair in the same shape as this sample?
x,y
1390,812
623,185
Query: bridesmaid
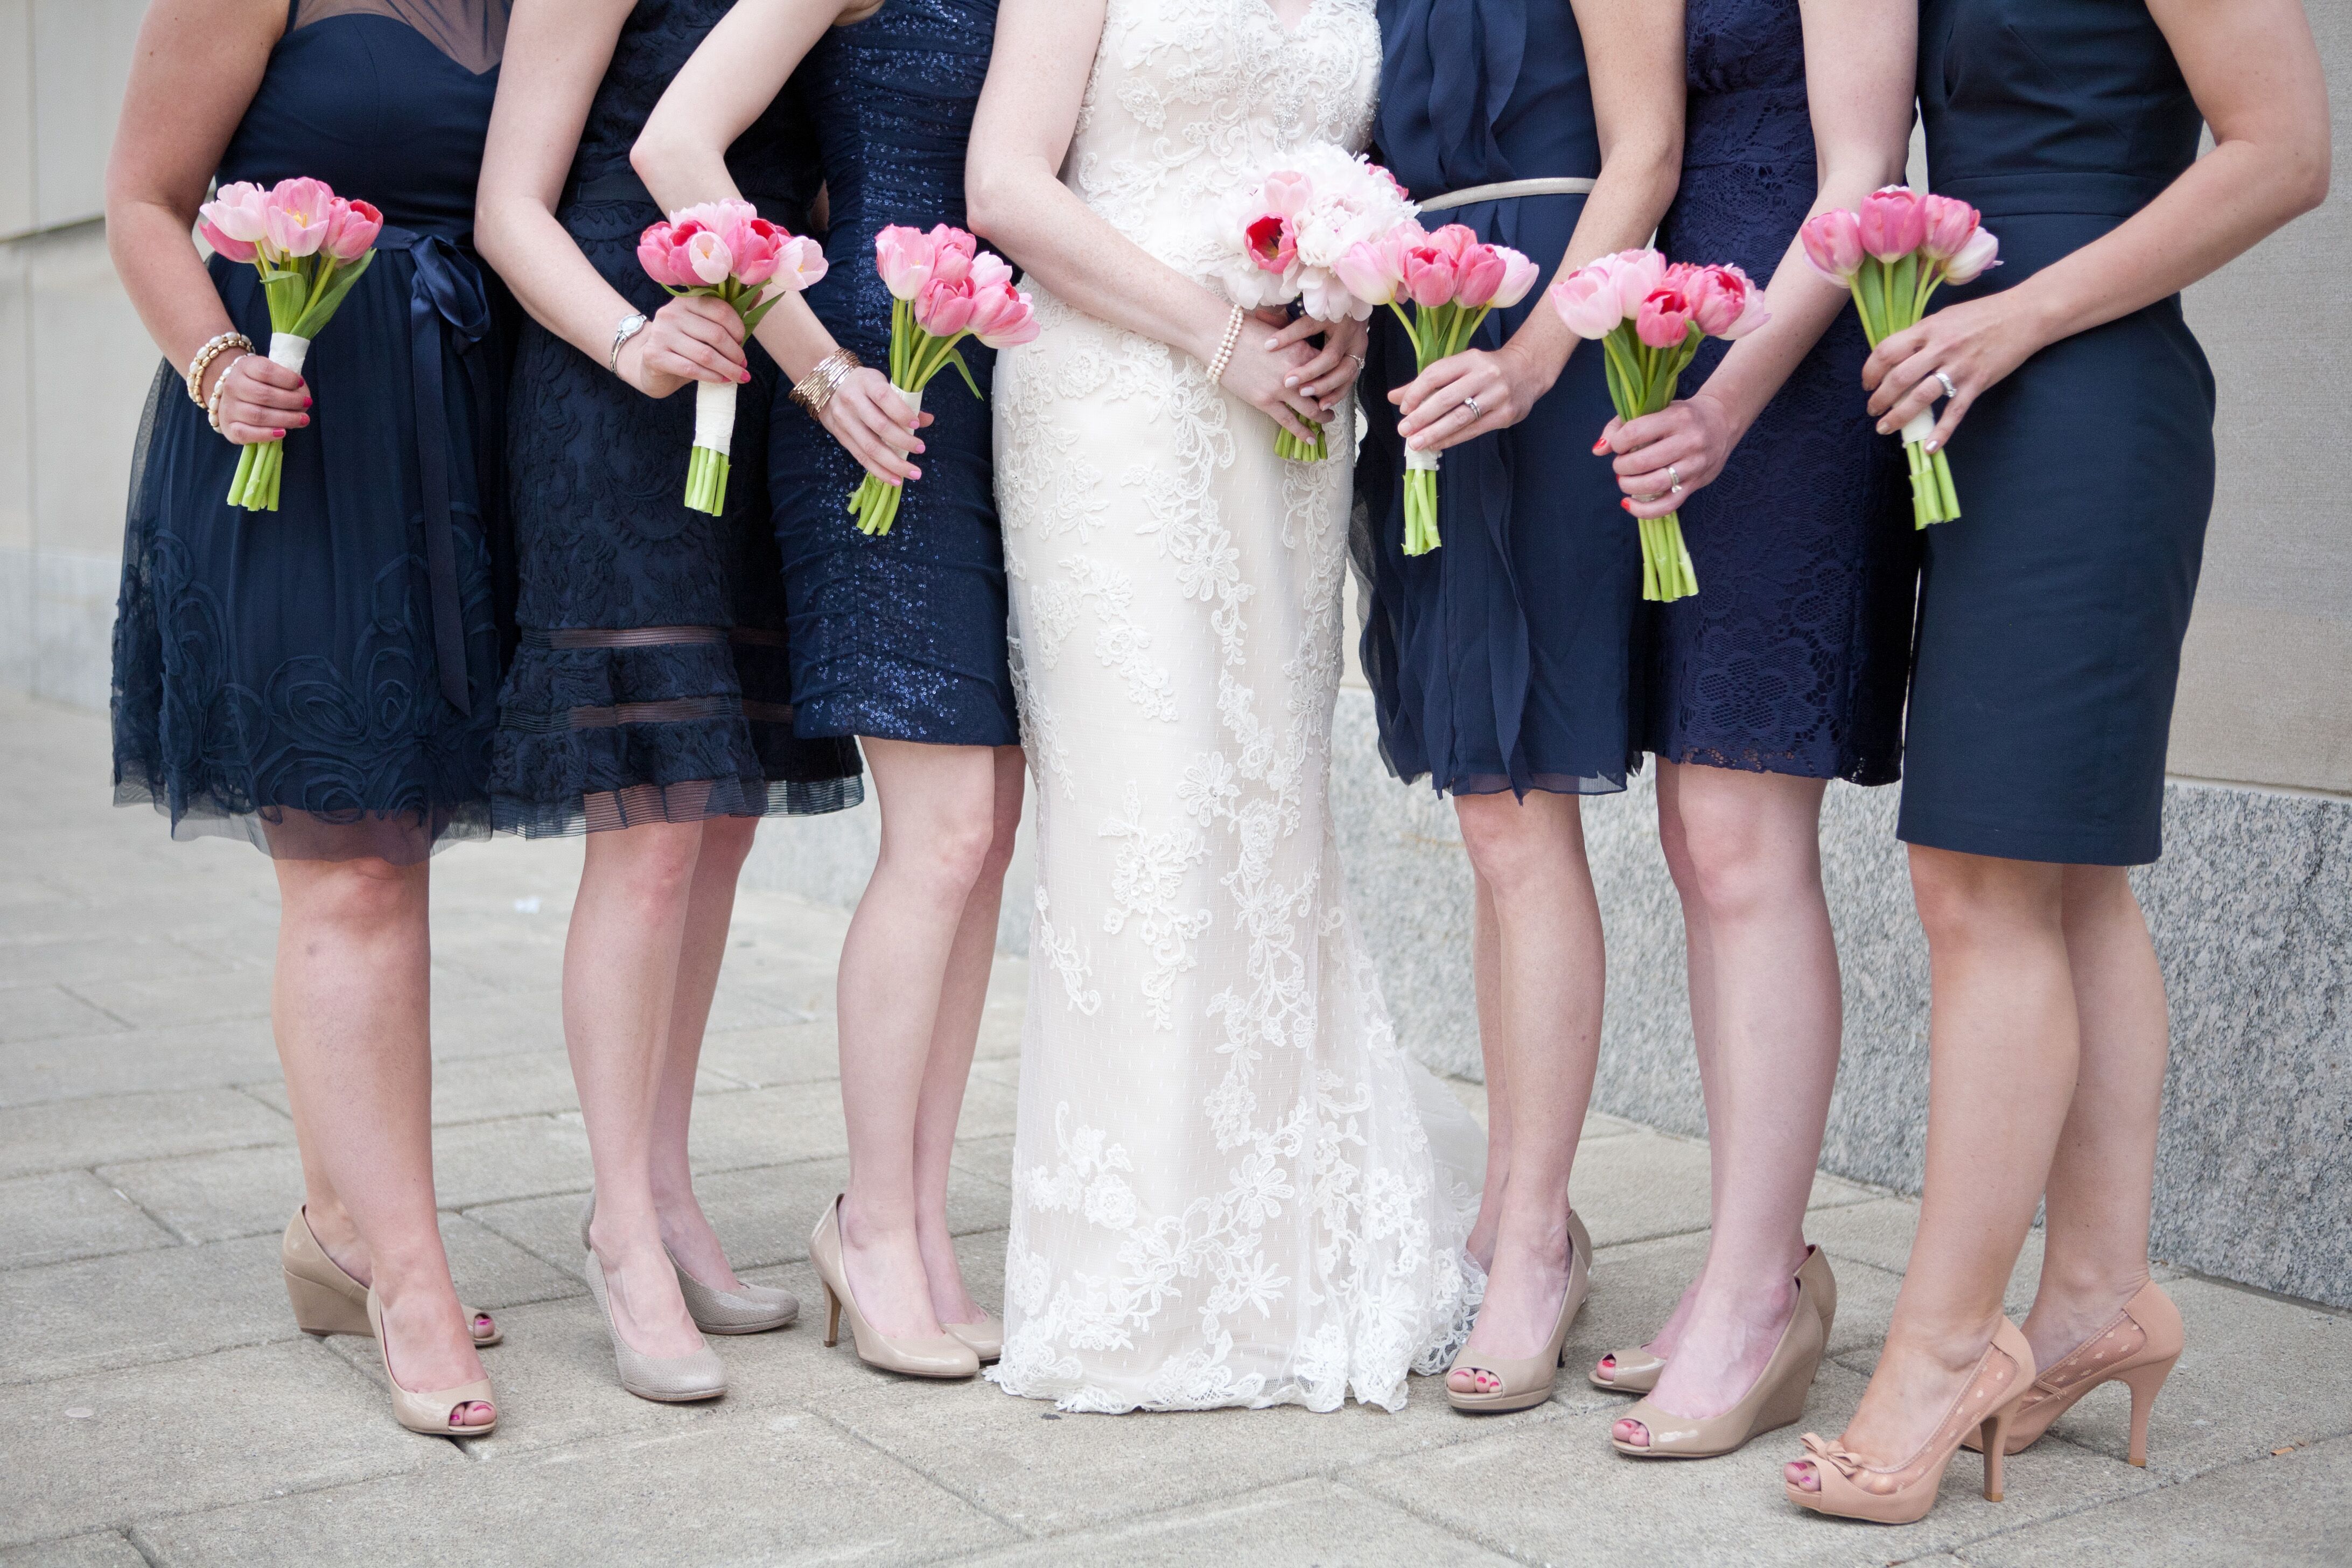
x,y
648,704
1501,662
2051,619
898,640
1785,671
321,679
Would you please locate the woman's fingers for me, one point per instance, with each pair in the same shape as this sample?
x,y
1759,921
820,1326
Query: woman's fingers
x,y
719,337
1953,412
685,358
1908,391
254,394
1891,352
1630,436
260,370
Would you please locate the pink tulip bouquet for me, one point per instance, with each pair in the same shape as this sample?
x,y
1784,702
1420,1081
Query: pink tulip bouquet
x,y
943,290
310,245
1651,317
1893,255
1281,239
1451,279
727,251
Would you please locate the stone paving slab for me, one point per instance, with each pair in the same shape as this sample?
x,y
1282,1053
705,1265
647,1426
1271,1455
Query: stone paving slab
x,y
122,1061
1314,1521
108,1549
162,1305
68,1214
82,1133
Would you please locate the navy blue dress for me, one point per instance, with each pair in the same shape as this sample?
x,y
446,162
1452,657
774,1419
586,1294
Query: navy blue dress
x,y
653,683
322,677
901,635
2051,612
1793,656
1503,659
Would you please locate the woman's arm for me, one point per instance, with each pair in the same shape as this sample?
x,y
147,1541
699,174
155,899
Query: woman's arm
x,y
1028,113
1860,58
197,66
557,52
1634,55
733,77
2256,77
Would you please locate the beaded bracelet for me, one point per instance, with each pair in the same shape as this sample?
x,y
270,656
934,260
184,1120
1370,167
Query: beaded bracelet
x,y
212,409
204,362
1224,359
816,388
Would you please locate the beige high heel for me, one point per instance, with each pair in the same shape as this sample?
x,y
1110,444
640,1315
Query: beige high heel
x,y
665,1379
753,1309
939,1355
327,1300
428,1412
985,1337
1853,1487
1776,1398
1634,1370
1527,1382
2137,1348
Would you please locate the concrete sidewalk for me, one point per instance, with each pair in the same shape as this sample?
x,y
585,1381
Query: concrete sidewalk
x,y
157,1404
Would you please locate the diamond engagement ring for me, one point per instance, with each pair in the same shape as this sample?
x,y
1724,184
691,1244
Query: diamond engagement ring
x,y
1949,390
1472,405
1674,478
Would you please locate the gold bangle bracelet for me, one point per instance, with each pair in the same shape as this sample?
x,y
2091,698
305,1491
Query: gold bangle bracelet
x,y
816,388
204,362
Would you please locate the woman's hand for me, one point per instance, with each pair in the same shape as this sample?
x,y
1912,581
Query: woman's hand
x,y
1327,377
692,338
870,420
1466,396
1684,444
1976,343
263,399
1270,378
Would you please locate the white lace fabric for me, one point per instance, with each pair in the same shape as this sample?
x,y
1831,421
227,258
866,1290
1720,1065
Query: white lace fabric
x,y
1231,1185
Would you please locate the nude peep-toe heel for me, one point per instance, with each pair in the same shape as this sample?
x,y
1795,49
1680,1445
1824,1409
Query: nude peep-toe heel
x,y
327,1300
1853,1487
939,1355
428,1412
1634,1370
753,1309
1527,1382
1776,1399
2137,1349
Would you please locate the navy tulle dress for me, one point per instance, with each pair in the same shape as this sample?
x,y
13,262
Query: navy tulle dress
x,y
1793,656
899,637
2051,610
322,678
1503,659
653,682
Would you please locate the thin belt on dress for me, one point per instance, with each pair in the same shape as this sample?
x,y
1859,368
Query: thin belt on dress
x,y
1505,190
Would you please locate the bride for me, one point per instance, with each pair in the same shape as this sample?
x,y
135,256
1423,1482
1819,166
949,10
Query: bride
x,y
1230,1187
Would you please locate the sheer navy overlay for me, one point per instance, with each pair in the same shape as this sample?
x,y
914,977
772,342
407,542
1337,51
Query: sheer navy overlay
x,y
653,683
321,679
1793,656
900,636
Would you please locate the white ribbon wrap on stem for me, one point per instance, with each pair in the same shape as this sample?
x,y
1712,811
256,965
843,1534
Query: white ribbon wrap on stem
x,y
714,416
1922,426
913,400
290,351
1420,460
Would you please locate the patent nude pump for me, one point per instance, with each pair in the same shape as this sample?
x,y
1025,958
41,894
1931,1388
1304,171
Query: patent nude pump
x,y
327,1300
2137,1349
985,1337
1521,1382
430,1412
750,1310
934,1355
1776,1398
1634,1370
665,1379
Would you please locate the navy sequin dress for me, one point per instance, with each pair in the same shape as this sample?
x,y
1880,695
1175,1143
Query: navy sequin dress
x,y
1792,657
322,677
653,683
900,636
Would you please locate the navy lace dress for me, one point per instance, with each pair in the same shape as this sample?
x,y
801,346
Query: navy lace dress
x,y
1503,659
653,682
1793,656
899,637
321,679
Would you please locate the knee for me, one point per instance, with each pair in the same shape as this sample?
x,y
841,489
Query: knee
x,y
726,844
1505,841
953,850
654,864
1974,900
359,895
1732,868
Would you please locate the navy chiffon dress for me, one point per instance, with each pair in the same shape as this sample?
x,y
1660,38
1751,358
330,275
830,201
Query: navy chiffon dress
x,y
1504,658
1793,656
2051,610
321,679
653,682
899,637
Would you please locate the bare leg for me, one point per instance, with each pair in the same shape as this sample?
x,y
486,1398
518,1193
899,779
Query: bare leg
x,y
962,998
620,990
1486,975
939,829
1530,854
350,1007
2002,1049
1772,1012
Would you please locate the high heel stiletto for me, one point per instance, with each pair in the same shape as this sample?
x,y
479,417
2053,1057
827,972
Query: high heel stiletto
x,y
753,1309
1634,1370
1853,1487
939,1355
1776,1399
327,1300
665,1379
2137,1349
1525,1381
985,1337
428,1412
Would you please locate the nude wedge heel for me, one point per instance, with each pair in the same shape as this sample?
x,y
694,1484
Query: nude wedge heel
x,y
327,1300
427,1411
1776,1399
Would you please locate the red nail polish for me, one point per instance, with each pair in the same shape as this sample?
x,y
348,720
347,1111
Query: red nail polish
x,y
1626,501
1600,446
306,403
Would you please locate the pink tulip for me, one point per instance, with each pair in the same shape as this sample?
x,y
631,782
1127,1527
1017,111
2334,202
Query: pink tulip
x,y
1002,318
990,270
1587,299
241,213
1639,274
1892,222
1724,303
1288,192
1429,275
1949,224
1981,251
1664,321
707,257
1479,275
1520,276
943,309
800,264
234,249
1833,243
1271,244
905,258
296,215
1372,269
656,253
1456,240
351,230
758,247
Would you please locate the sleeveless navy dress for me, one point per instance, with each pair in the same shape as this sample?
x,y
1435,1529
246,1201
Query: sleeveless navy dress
x,y
1504,658
653,682
321,679
2051,611
900,636
1793,656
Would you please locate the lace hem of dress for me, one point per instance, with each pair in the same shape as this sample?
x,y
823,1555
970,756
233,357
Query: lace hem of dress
x,y
288,832
1865,769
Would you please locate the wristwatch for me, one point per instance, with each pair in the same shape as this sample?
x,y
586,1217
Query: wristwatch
x,y
631,326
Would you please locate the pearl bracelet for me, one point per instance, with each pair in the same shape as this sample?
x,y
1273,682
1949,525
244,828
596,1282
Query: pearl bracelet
x,y
204,362
1218,366
212,409
824,378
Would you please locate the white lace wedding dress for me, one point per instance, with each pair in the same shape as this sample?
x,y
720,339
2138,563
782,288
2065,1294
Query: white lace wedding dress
x,y
1230,1185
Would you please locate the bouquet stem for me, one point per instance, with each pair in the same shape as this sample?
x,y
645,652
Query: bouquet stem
x,y
260,466
1420,501
876,502
714,440
1290,446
